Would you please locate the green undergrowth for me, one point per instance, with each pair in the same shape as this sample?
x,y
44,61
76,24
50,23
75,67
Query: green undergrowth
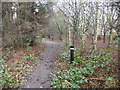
x,y
16,67
87,71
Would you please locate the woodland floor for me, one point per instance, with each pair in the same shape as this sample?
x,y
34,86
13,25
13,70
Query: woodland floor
x,y
42,75
43,71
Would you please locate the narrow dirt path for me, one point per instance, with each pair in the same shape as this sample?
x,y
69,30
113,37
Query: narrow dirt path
x,y
42,76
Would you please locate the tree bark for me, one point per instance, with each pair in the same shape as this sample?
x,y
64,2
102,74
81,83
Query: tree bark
x,y
110,38
104,36
69,31
1,30
96,27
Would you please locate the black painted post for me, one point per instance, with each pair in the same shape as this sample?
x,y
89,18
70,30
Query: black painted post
x,y
71,54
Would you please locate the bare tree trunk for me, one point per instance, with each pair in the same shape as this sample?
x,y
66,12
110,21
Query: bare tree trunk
x,y
110,38
110,33
83,35
67,35
73,36
69,31
104,30
96,27
0,29
83,28
94,41
1,53
3,27
104,36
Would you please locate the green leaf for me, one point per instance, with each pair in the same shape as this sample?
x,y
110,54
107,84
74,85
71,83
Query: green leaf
x,y
110,79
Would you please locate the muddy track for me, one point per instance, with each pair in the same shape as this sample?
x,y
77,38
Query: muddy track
x,y
42,75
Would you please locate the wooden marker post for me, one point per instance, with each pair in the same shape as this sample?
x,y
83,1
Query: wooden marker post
x,y
71,54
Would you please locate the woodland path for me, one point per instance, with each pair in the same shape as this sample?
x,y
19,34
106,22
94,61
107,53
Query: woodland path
x,y
42,75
